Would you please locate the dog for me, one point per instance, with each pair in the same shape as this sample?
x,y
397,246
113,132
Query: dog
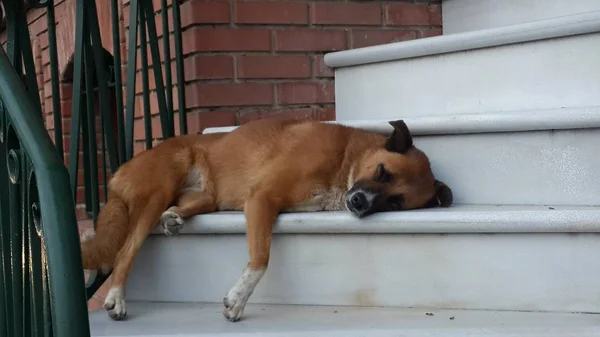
x,y
263,168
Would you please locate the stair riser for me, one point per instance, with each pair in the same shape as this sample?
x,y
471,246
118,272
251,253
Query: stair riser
x,y
535,168
469,15
546,74
555,272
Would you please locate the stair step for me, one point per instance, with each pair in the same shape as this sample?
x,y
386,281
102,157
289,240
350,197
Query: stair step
x,y
469,15
482,122
529,157
204,319
540,258
456,219
492,70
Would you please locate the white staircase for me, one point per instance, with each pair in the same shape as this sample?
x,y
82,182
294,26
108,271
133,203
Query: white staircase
x,y
510,118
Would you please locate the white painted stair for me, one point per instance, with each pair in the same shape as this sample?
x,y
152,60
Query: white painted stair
x,y
510,118
545,64
201,320
534,258
531,245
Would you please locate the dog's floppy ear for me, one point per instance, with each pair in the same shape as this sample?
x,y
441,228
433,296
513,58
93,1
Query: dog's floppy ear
x,y
443,196
443,193
400,140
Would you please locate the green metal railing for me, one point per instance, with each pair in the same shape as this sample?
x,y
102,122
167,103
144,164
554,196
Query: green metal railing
x,y
42,291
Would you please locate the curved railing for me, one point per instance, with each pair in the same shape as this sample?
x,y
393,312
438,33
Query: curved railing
x,y
42,283
42,276
42,288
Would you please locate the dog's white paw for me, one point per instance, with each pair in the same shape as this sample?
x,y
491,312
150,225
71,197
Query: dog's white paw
x,y
238,295
114,304
171,222
234,302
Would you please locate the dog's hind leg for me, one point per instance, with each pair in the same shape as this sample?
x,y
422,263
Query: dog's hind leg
x,y
147,217
261,213
188,204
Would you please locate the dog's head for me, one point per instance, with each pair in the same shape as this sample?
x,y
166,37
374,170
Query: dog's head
x,y
396,177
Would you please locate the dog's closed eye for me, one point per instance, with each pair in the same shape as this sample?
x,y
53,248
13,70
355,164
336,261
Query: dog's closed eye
x,y
382,175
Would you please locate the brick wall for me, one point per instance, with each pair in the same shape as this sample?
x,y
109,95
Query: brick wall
x,y
244,59
257,59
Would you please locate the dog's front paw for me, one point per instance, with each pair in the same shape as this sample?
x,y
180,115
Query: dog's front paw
x,y
171,222
234,303
114,304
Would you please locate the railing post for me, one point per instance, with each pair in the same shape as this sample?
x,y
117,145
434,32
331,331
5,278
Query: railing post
x,y
28,143
38,227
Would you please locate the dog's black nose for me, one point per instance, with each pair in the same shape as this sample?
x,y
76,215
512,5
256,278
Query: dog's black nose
x,y
359,202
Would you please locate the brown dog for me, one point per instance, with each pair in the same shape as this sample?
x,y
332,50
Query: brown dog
x,y
263,168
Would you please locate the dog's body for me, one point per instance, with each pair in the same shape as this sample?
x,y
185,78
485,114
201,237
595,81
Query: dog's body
x,y
263,168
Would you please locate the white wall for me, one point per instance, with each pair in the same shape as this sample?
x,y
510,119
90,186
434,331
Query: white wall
x,y
467,15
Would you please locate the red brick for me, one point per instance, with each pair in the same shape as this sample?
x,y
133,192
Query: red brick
x,y
80,194
38,27
305,93
310,40
82,214
208,67
197,121
228,94
343,13
43,38
80,156
261,12
139,128
322,70
226,39
66,124
298,114
156,4
325,113
159,25
203,11
405,14
65,107
154,107
430,33
45,57
366,38
138,147
195,67
268,66
80,174
435,15
47,89
66,91
46,73
161,54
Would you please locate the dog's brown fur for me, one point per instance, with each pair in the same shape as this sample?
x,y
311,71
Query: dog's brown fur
x,y
263,168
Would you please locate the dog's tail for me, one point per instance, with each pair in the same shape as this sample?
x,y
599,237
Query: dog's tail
x,y
99,252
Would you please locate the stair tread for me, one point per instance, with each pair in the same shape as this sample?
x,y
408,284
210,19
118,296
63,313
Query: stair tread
x,y
562,26
204,319
455,219
563,118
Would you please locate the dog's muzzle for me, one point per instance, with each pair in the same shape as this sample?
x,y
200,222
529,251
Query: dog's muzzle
x,y
361,202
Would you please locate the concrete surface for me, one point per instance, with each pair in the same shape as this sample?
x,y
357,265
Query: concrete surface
x,y
469,15
472,257
564,26
538,75
484,122
201,319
